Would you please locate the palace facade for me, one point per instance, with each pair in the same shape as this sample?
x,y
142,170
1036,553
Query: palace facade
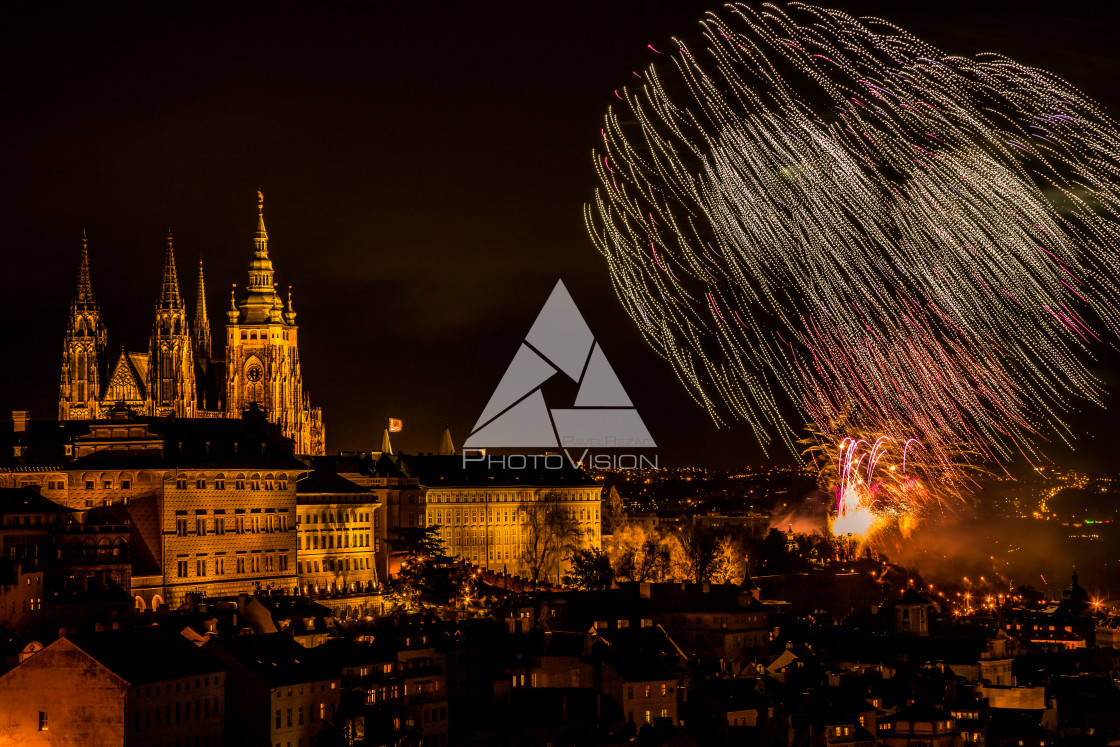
x,y
179,374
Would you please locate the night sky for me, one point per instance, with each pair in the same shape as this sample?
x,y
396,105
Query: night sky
x,y
424,170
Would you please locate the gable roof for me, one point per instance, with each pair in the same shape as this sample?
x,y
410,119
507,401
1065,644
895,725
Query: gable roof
x,y
146,654
129,373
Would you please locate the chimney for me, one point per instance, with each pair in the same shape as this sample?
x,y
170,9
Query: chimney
x,y
19,420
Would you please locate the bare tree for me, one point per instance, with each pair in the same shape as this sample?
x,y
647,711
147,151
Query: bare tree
x,y
646,561
637,553
550,531
693,554
730,562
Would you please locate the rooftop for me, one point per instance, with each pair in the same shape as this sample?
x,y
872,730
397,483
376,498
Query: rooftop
x,y
275,657
27,501
145,655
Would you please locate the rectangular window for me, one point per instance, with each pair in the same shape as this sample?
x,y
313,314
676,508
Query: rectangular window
x,y
126,484
89,484
43,721
182,569
219,484
200,484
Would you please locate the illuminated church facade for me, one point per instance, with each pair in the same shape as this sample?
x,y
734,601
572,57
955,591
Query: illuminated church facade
x,y
179,375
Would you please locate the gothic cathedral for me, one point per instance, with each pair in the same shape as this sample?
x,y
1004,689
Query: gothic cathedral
x,y
178,375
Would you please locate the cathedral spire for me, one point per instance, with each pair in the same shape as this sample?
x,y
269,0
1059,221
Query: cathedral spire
x,y
262,234
446,445
85,288
290,313
260,269
386,444
83,356
169,294
201,318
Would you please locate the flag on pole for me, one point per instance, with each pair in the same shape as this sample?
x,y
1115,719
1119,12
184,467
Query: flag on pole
x,y
395,425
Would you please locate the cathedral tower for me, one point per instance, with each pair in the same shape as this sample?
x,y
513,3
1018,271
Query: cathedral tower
x,y
171,377
201,319
181,374
262,353
83,354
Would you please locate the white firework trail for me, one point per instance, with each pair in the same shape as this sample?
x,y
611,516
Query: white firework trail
x,y
823,213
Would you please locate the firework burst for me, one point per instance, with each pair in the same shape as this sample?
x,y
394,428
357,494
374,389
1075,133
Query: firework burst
x,y
881,480
806,210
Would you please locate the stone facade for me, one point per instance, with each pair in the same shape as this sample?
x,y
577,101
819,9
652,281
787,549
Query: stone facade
x,y
490,526
336,536
95,690
60,568
178,374
211,503
486,515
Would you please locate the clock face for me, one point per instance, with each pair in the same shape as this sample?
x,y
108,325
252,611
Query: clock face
x,y
254,374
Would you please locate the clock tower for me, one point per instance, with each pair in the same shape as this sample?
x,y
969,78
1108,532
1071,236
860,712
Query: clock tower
x,y
262,353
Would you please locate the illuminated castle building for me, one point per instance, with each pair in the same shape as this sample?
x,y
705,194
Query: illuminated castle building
x,y
178,374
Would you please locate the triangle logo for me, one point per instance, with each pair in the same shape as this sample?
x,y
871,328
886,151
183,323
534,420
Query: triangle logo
x,y
559,342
